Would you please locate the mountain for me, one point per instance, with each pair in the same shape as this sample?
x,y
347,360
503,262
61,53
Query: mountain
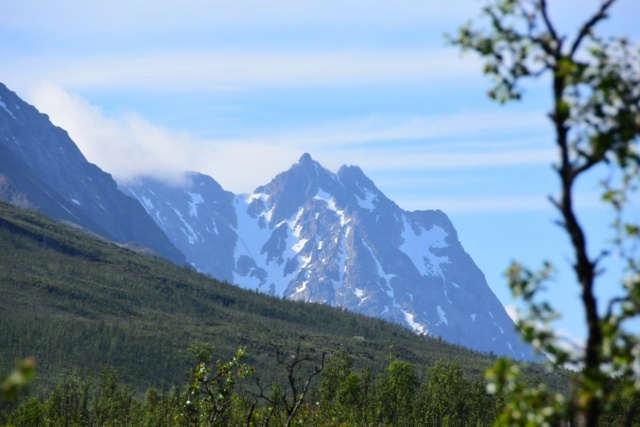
x,y
308,235
41,167
335,238
77,303
199,218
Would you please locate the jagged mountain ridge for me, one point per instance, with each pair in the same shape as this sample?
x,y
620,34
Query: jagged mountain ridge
x,y
335,238
41,167
309,234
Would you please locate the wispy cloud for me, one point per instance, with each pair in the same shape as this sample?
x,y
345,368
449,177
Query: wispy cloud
x,y
213,14
129,145
238,70
124,146
488,204
480,205
461,130
428,159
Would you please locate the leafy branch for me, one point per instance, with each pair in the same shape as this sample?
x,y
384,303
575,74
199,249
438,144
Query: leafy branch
x,y
596,120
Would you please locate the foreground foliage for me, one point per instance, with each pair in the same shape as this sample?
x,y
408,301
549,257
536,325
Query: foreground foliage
x,y
595,114
222,394
77,304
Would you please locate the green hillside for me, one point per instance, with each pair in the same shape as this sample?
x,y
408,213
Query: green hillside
x,y
77,302
90,311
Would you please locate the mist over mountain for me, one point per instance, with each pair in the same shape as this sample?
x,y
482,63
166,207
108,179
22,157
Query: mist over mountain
x,y
41,167
310,234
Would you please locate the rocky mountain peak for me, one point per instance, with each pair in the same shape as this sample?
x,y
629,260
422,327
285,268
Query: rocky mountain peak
x,y
306,159
309,234
335,238
291,189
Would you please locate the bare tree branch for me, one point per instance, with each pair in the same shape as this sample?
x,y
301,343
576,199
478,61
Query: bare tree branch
x,y
586,28
547,21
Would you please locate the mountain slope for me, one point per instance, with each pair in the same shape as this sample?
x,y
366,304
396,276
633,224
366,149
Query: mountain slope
x,y
22,188
198,218
334,238
308,235
37,152
77,302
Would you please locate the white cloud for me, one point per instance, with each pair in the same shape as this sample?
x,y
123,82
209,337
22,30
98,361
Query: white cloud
x,y
128,145
123,146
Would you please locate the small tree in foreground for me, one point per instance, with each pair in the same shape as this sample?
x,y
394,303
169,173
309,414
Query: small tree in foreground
x,y
301,367
210,392
595,114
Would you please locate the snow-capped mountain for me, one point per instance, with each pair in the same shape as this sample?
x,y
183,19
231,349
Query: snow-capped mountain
x,y
41,167
199,218
334,238
310,234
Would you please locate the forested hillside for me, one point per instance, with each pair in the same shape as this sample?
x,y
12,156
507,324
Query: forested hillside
x,y
78,303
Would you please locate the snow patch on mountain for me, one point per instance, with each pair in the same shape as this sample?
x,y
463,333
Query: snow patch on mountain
x,y
380,270
4,106
331,204
367,201
250,238
186,227
442,315
196,199
340,262
418,327
417,245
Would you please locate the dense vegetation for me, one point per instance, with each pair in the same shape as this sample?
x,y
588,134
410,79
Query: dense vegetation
x,y
223,396
77,302
110,329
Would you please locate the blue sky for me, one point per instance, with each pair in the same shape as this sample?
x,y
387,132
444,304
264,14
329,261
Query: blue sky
x,y
239,90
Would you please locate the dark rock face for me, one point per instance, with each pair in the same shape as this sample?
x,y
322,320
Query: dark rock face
x,y
317,236
46,167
